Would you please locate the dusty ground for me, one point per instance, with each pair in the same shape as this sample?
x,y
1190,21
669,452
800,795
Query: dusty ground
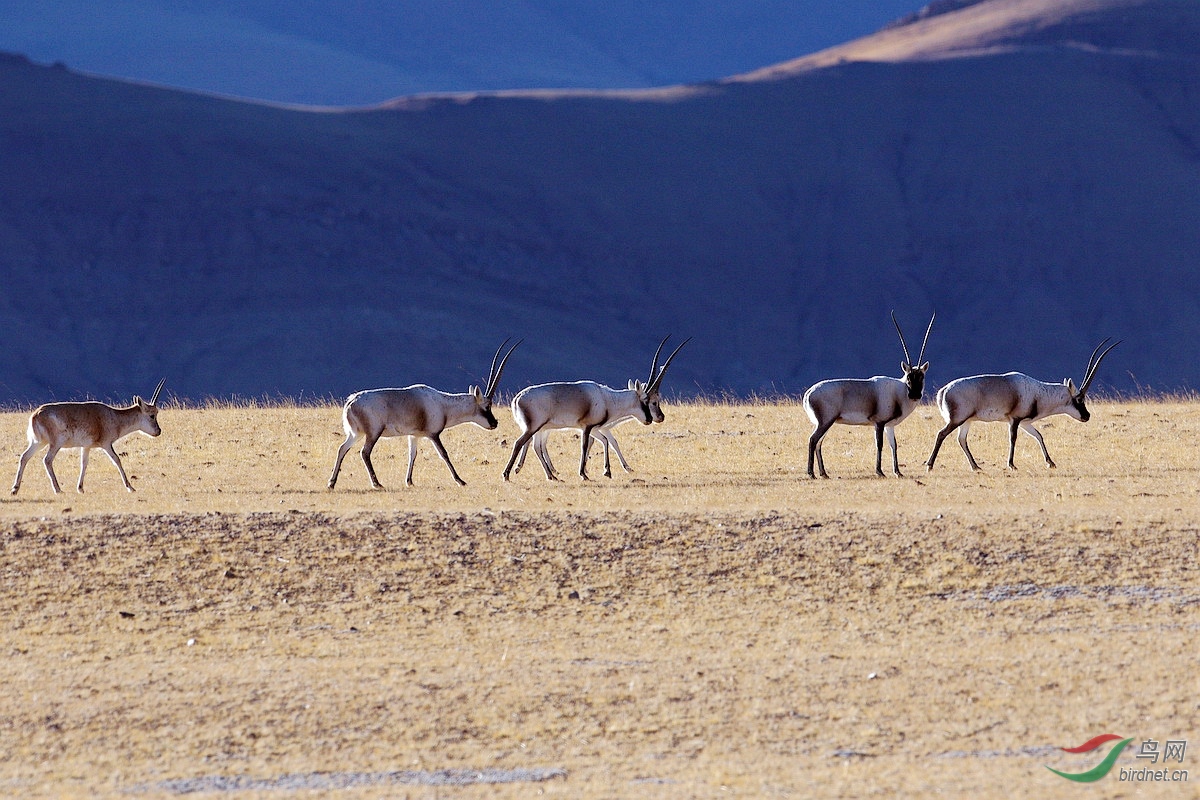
x,y
714,624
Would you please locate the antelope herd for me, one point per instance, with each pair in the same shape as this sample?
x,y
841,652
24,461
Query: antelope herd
x,y
420,411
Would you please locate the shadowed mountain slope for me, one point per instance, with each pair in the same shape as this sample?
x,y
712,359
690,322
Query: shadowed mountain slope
x,y
1038,196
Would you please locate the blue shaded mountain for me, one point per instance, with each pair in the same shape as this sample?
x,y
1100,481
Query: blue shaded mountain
x,y
1033,177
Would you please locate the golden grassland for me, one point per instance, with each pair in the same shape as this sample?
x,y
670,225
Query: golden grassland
x,y
713,624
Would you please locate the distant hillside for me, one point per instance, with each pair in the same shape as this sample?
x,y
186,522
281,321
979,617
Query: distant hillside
x,y
1039,196
1121,29
326,52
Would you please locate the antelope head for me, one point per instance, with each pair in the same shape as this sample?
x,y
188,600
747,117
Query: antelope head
x,y
149,411
485,397
914,373
648,392
1078,406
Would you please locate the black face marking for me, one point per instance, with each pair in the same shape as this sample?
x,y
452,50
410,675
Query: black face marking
x,y
490,418
647,417
1084,414
915,379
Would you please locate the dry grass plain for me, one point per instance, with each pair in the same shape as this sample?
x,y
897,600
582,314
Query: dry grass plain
x,y
712,625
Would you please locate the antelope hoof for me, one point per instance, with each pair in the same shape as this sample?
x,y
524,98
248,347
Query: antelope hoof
x,y
1051,464
461,482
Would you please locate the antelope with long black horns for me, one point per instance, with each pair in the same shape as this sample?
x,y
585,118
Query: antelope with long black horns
x,y
881,401
417,411
586,406
86,425
602,433
1015,398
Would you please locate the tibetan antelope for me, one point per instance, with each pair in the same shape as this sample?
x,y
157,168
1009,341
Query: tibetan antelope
x,y
86,425
602,433
588,406
416,411
1016,398
880,401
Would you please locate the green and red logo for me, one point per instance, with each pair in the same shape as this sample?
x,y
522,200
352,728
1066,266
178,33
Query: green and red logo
x,y
1100,770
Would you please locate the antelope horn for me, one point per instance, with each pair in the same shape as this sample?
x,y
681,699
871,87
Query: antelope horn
x,y
157,389
497,371
907,358
1094,364
654,361
495,358
921,357
654,384
1092,358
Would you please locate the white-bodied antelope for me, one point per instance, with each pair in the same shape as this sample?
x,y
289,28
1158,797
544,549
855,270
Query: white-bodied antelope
x,y
602,433
586,406
416,411
1013,397
86,425
881,401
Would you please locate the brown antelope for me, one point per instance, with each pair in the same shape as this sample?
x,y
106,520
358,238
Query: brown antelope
x,y
586,406
86,425
879,401
1013,397
416,411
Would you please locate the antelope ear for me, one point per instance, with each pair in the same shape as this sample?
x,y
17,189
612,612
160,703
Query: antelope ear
x,y
1070,384
925,366
635,384
137,400
476,393
905,366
